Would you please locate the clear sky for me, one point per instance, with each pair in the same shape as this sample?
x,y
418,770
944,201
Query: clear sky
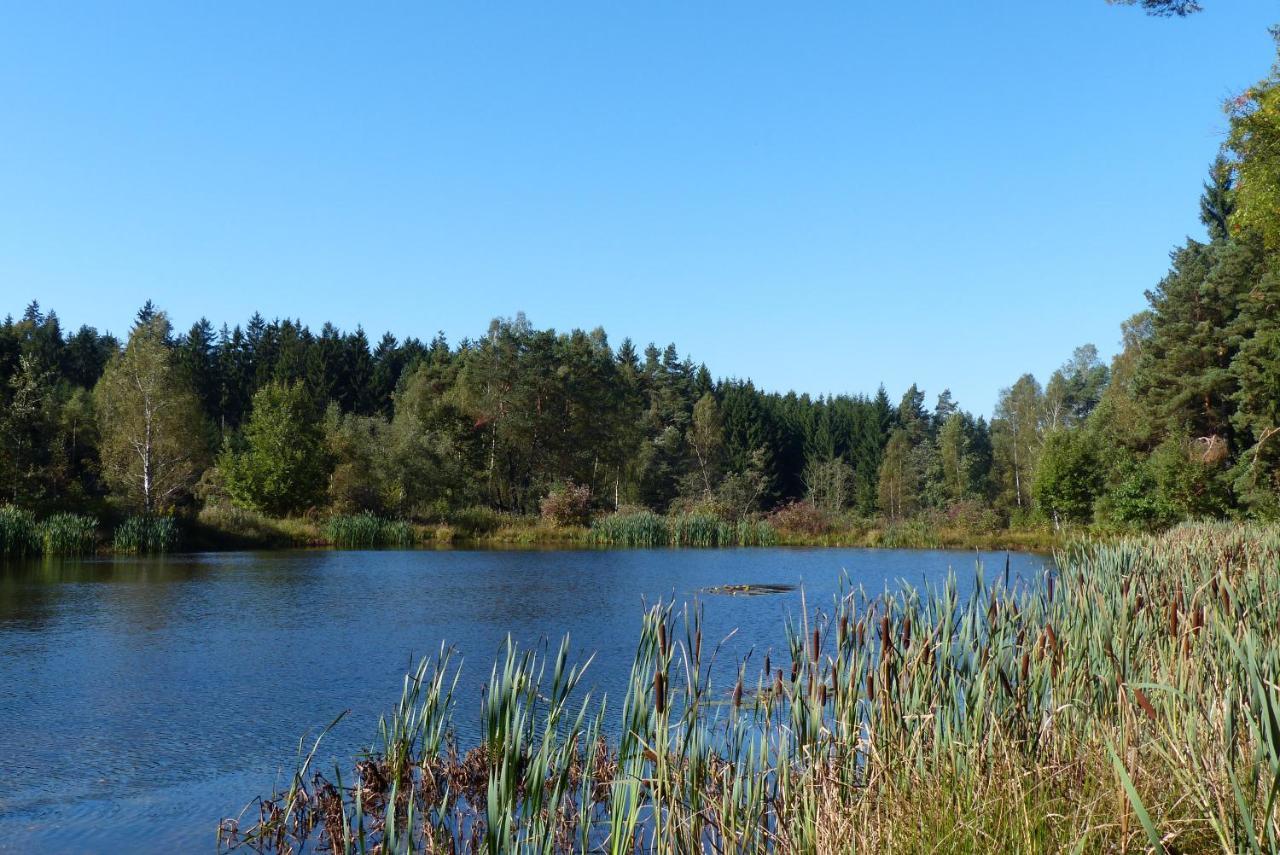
x,y
820,196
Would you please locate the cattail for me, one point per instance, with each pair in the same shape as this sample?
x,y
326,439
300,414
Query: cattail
x,y
1173,618
871,687
822,694
817,646
1052,580
843,632
795,669
1186,645
862,634
1197,620
777,684
1145,704
906,632
1026,666
659,691
767,669
737,694
886,642
662,639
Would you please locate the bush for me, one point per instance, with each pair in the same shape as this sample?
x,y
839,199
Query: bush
x,y
802,518
19,534
972,515
475,521
567,504
146,534
69,534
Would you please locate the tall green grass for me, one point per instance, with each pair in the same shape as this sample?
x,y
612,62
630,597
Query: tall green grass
x,y
146,534
19,533
69,534
1127,702
645,528
367,531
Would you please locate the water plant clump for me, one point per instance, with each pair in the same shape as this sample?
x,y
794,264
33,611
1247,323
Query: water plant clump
x,y
367,531
1126,702
146,534
68,534
695,528
19,533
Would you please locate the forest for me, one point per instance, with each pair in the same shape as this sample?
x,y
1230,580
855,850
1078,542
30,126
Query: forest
x,y
274,419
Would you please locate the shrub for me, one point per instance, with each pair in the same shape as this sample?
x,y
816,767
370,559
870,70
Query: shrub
x,y
19,534
146,534
69,534
567,504
475,521
802,518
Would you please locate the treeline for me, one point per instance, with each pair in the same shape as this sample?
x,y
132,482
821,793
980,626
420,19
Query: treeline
x,y
274,418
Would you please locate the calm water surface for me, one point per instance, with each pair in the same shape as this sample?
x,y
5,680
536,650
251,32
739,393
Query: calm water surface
x,y
162,694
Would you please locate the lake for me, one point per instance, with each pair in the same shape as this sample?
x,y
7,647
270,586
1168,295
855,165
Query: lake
x,y
164,693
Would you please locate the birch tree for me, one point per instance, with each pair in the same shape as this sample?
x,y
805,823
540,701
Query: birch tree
x,y
153,444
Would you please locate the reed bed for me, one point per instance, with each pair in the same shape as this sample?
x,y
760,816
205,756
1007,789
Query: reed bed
x,y
69,534
19,532
1126,703
645,528
146,534
367,531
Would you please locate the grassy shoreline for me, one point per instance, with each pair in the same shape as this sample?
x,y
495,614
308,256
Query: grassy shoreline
x,y
1127,703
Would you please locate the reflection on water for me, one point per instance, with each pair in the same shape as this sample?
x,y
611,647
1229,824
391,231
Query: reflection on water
x,y
164,693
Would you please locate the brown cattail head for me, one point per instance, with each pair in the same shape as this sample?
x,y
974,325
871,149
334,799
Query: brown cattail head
x,y
862,634
906,632
843,632
659,691
795,669
1173,618
1145,704
1026,666
816,646
871,687
737,694
777,683
767,669
886,640
822,694
662,639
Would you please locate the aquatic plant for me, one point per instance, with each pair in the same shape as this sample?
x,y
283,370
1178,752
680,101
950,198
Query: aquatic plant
x,y
1127,701
141,534
68,534
19,534
695,528
367,531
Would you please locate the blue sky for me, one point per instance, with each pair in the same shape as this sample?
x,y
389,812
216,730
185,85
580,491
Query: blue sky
x,y
817,196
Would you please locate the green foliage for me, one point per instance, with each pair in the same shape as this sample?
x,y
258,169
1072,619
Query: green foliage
x,y
281,468
69,534
1068,476
366,531
144,534
153,434
695,528
19,534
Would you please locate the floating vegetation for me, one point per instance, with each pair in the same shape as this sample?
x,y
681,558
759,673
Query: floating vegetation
x,y
146,534
749,590
367,531
1127,702
698,528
